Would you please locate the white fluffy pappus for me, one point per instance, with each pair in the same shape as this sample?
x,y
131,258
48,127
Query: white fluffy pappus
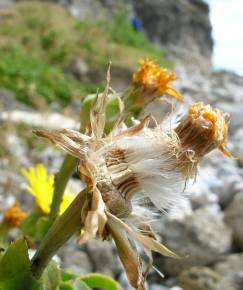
x,y
144,163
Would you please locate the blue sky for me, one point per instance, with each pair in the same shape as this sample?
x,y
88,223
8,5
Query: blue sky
x,y
227,21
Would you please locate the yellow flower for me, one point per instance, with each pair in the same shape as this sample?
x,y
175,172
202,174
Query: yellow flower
x,y
156,80
41,186
14,216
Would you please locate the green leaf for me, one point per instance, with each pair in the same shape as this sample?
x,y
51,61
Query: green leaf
x,y
66,276
74,285
28,226
51,277
100,281
15,270
80,285
42,226
66,286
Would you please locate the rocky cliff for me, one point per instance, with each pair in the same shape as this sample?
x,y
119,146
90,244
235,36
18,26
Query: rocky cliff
x,y
181,26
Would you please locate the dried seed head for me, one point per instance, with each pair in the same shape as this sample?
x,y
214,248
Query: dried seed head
x,y
155,81
155,161
203,129
14,216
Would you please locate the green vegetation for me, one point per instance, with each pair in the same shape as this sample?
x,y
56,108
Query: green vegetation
x,y
39,41
34,81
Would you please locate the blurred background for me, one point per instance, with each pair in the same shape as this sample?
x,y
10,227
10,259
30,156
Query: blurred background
x,y
54,53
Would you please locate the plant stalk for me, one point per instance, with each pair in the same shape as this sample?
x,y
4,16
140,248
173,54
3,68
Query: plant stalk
x,y
66,171
61,230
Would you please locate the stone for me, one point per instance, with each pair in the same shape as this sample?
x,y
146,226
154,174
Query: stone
x,y
231,268
16,148
230,265
45,120
75,260
200,239
104,258
234,218
200,193
124,282
232,282
180,26
8,99
238,142
79,68
199,278
235,112
158,287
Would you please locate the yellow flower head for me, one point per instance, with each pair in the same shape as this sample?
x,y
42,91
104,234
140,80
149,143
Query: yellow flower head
x,y
155,79
14,216
41,186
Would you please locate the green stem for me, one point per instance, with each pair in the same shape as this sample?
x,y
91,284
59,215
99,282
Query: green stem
x,y
61,230
66,171
4,228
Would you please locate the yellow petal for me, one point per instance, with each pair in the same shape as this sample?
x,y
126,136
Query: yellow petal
x,y
40,185
66,201
174,93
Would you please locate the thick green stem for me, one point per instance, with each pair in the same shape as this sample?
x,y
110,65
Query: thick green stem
x,y
62,229
66,171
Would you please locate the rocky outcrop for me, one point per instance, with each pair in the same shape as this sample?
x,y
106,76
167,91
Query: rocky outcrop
x,y
234,218
199,278
196,238
182,26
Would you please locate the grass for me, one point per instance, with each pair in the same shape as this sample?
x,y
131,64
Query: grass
x,y
38,41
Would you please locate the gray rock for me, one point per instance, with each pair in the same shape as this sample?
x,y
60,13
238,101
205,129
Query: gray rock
x,y
104,259
201,238
158,287
8,99
45,120
16,148
230,265
200,193
235,112
76,260
51,156
124,282
232,282
181,26
234,218
199,278
238,142
10,188
79,68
